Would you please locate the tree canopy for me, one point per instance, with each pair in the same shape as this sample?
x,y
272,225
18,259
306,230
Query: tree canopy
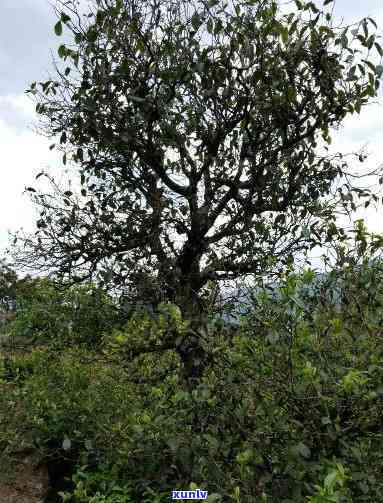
x,y
200,134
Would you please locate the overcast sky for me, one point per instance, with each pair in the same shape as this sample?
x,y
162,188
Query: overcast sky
x,y
26,43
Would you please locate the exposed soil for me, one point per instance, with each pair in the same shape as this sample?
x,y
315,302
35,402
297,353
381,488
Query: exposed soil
x,y
28,482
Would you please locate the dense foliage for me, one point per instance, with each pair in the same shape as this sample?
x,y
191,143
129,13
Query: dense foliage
x,y
288,410
199,133
40,310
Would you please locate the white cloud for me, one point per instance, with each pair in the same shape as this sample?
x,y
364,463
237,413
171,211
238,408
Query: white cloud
x,y
364,131
23,154
21,103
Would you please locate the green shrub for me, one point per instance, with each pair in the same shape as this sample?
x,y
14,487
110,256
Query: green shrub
x,y
289,408
77,315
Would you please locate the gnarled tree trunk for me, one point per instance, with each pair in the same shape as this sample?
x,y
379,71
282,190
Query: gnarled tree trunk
x,y
191,351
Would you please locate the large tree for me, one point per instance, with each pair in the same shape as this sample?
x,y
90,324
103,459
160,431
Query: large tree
x,y
199,132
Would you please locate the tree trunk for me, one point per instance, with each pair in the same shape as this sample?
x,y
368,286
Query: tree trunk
x,y
191,351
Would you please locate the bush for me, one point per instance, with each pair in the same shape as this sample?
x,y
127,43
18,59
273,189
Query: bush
x,y
289,408
78,315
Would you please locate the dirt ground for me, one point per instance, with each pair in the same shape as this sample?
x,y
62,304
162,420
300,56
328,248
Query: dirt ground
x,y
27,483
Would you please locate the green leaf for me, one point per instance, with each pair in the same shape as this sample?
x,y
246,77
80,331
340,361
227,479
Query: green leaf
x,y
64,17
66,444
195,21
291,94
379,49
285,35
91,34
141,45
313,7
280,219
330,480
303,450
327,30
181,396
293,27
372,21
213,498
370,42
75,57
58,28
62,51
